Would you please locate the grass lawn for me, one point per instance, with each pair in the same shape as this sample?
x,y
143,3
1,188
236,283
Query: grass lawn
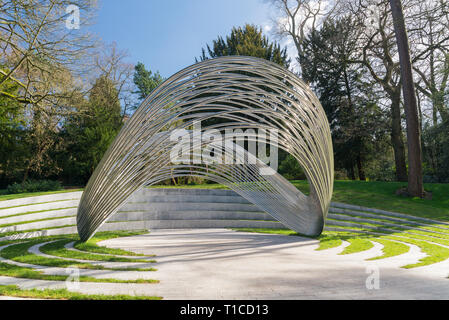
x,y
381,195
4,196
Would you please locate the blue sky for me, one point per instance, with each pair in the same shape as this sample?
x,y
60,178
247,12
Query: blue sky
x,y
167,35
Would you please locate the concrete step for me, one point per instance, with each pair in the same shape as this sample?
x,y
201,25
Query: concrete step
x,y
380,223
38,216
39,207
177,198
189,224
40,233
191,215
41,199
188,192
386,213
40,225
356,225
372,215
189,206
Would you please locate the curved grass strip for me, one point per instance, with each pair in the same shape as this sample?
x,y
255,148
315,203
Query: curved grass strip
x,y
409,235
357,245
360,242
57,249
64,294
435,253
91,245
390,249
19,252
10,270
435,237
328,242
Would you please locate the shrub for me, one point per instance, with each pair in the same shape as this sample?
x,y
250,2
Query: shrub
x,y
34,186
291,169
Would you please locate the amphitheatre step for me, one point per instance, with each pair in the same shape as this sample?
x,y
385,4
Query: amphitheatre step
x,y
39,215
184,198
39,207
356,225
384,217
387,213
41,199
40,225
185,191
380,223
189,206
189,224
191,215
41,233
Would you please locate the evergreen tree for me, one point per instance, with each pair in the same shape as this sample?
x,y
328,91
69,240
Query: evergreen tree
x,y
145,80
247,41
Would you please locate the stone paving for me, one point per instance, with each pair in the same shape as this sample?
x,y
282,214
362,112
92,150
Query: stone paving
x,y
224,264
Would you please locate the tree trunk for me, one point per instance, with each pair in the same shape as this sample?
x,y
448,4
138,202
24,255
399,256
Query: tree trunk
x,y
438,106
415,178
360,169
396,137
352,173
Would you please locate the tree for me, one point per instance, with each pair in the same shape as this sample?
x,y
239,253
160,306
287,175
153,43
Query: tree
x,y
298,18
145,80
13,149
36,45
247,41
379,50
436,143
415,179
357,123
90,131
302,17
110,62
430,58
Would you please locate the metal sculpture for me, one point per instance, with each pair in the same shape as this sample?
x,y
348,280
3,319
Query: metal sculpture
x,y
238,93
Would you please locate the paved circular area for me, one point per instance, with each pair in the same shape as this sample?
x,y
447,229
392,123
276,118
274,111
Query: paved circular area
x,y
225,264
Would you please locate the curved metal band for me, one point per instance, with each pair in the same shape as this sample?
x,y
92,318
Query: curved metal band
x,y
244,93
